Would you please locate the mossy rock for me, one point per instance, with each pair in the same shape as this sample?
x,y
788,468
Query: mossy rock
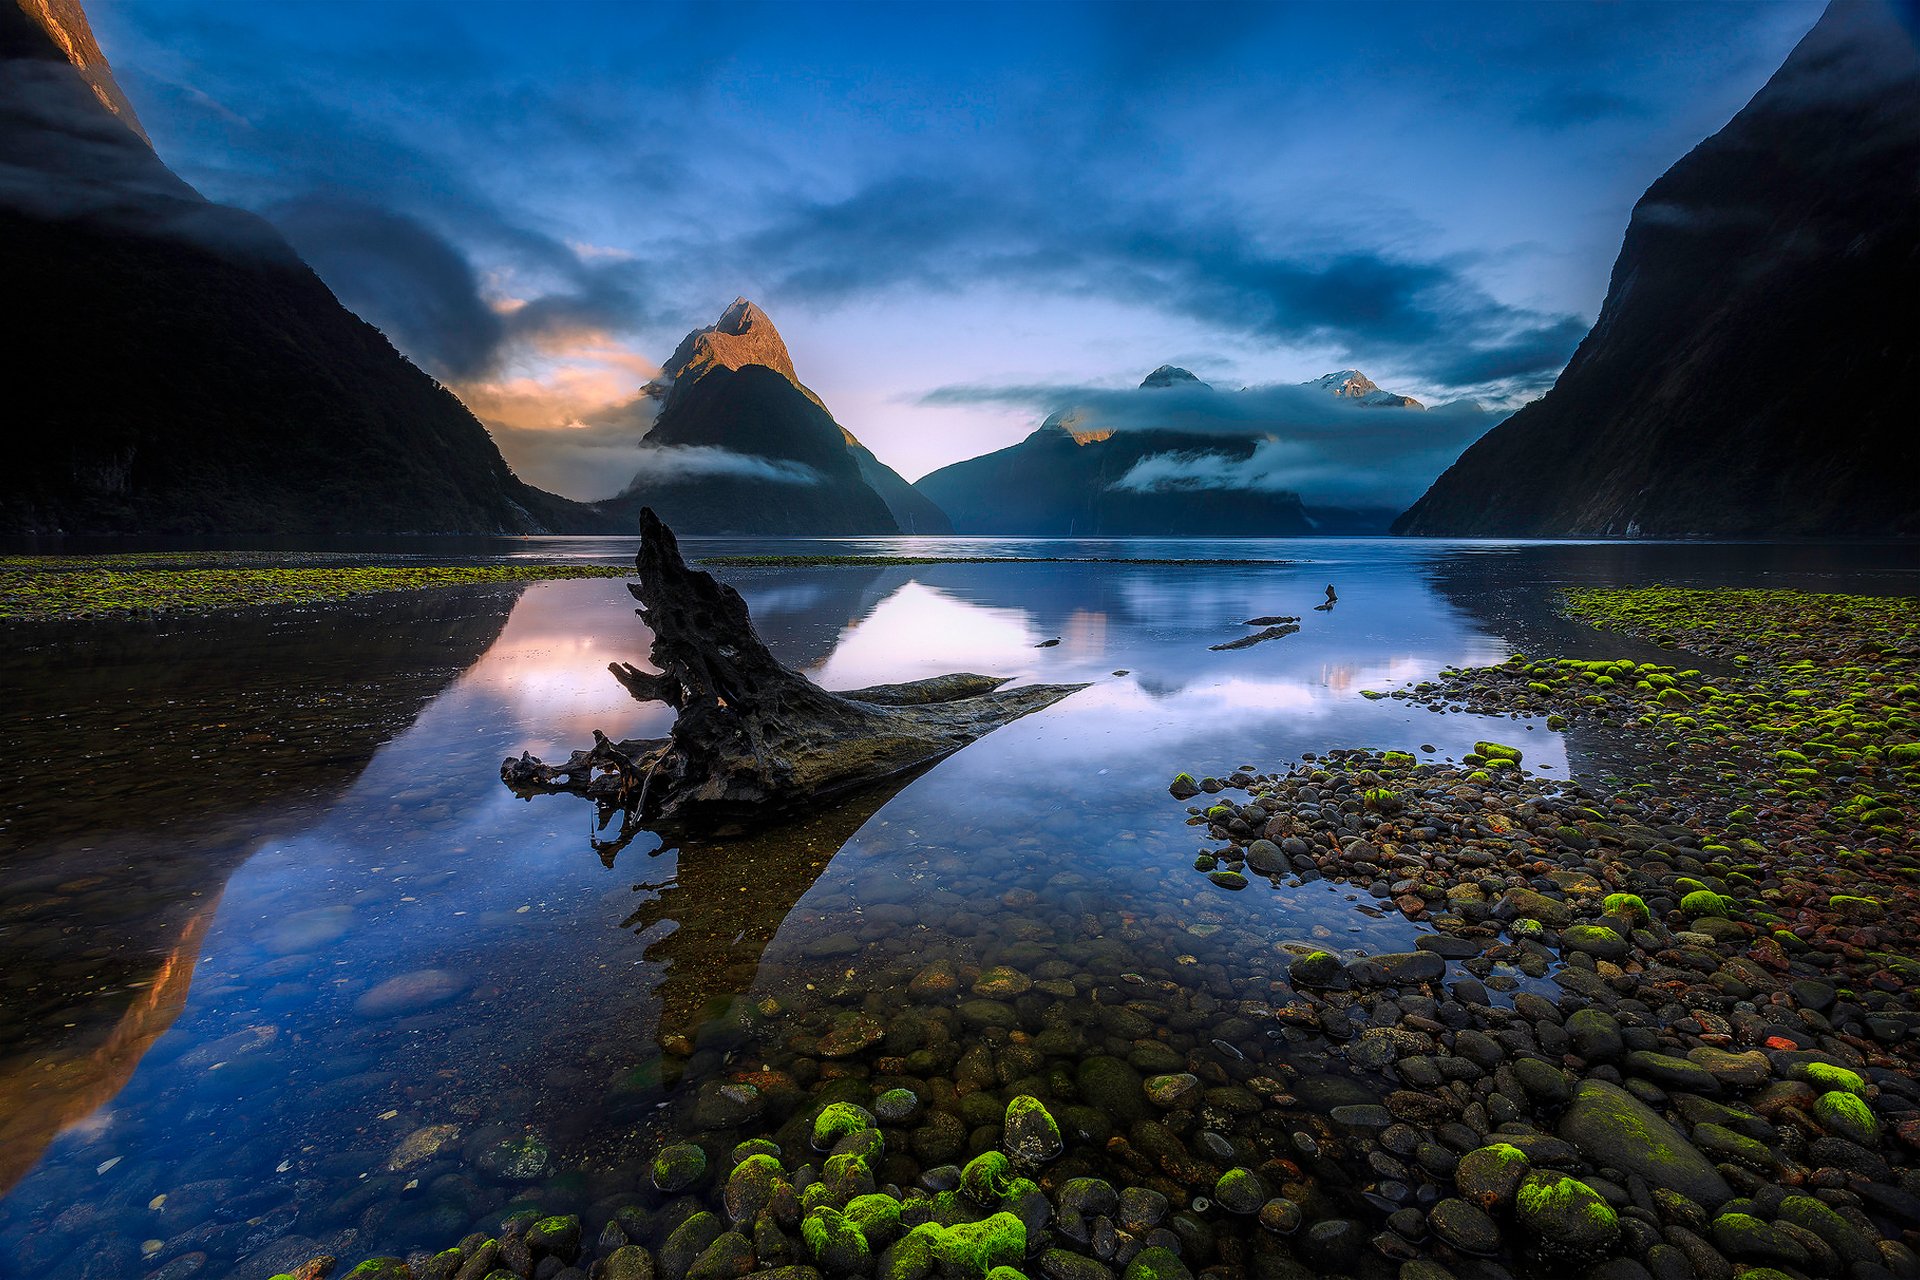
x,y
836,1120
1848,1116
970,1249
836,1243
1564,1215
1489,1176
986,1178
1703,904
1827,1077
1614,1129
1030,1134
678,1167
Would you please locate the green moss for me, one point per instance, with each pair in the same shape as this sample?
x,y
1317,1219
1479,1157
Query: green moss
x,y
836,1120
1566,1213
976,1248
877,1215
380,1269
1828,1078
51,588
986,1177
1848,1115
1626,906
1497,751
1703,902
834,1241
679,1166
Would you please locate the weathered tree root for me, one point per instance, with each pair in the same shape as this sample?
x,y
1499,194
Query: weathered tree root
x,y
754,739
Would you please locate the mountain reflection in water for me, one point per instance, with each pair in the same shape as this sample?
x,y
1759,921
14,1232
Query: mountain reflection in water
x,y
415,999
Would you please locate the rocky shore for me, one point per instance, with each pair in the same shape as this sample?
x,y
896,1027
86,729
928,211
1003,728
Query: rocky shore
x,y
1661,1032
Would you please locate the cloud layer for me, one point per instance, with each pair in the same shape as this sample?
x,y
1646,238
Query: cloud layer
x,y
1332,451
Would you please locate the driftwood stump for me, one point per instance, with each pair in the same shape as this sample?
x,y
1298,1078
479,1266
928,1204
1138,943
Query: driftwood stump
x,y
754,740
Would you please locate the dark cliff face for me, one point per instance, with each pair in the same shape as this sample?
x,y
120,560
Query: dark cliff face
x,y
177,368
744,451
1753,368
1053,484
742,446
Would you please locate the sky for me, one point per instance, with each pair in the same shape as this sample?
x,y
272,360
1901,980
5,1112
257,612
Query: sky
x,y
959,217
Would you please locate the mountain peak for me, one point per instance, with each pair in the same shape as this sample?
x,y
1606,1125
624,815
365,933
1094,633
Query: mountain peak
x,y
63,26
1351,384
1172,375
1346,382
1069,423
742,336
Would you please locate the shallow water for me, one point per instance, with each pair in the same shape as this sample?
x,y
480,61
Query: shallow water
x,y
268,911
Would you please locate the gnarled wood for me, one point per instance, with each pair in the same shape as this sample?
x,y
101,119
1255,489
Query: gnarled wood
x,y
753,738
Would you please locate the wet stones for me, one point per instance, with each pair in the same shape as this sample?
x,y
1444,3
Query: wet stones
x,y
410,993
1170,1092
1317,969
1615,1130
1465,1226
1111,1086
1031,1136
678,1167
1489,1176
1404,968
1240,1191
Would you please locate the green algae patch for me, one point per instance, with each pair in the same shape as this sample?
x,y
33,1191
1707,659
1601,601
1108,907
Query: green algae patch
x,y
1565,1215
976,1248
1828,1078
1702,903
838,1119
987,1177
49,593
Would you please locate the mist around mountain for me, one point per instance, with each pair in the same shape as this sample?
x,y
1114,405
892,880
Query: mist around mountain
x,y
1751,373
1176,457
176,368
741,445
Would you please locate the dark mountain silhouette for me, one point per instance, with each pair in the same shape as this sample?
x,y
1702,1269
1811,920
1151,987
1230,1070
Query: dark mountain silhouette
x,y
1076,475
742,446
176,367
1752,369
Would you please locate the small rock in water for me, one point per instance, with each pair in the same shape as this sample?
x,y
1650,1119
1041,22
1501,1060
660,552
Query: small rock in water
x,y
421,989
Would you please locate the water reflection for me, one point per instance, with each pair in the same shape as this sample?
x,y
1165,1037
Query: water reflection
x,y
152,775
420,1000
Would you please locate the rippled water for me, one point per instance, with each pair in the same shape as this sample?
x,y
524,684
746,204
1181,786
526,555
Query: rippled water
x,y
283,967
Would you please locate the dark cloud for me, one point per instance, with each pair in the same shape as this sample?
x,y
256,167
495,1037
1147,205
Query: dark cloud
x,y
941,233
1570,106
401,275
1331,450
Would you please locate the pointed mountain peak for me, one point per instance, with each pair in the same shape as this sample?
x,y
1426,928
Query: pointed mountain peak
x,y
742,336
1172,375
1351,384
64,33
1346,382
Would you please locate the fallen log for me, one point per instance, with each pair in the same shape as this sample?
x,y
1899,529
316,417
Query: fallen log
x,y
753,739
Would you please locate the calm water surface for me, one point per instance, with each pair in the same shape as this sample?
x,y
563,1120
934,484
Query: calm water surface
x,y
284,969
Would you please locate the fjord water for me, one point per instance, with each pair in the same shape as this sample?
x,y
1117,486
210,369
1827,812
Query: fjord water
x,y
285,970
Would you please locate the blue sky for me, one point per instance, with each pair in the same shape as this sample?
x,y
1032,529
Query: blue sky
x,y
536,202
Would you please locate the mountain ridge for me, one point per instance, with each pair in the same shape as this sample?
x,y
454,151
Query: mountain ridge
x,y
174,339
1075,475
1737,381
